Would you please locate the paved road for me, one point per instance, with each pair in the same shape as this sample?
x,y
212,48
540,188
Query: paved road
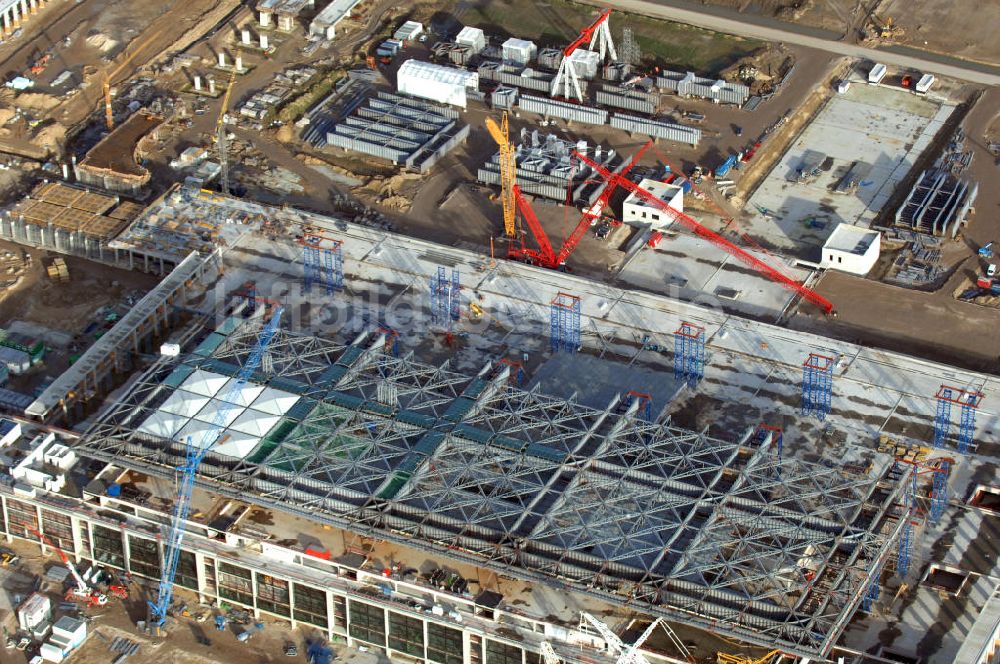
x,y
775,31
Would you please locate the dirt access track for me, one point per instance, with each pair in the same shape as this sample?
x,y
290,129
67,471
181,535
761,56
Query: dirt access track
x,y
102,34
958,29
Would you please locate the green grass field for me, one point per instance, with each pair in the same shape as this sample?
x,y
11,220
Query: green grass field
x,y
557,22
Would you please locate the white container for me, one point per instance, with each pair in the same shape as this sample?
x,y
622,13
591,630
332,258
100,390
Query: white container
x,y
925,83
843,87
877,73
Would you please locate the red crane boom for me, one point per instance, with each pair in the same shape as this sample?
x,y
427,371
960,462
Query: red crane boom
x,y
713,237
545,255
587,33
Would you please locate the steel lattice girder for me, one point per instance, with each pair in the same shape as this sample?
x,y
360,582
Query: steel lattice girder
x,y
692,528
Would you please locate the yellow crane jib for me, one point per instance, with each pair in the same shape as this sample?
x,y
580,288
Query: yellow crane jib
x,y
508,173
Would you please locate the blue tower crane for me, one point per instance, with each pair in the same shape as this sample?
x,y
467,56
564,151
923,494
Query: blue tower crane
x,y
194,452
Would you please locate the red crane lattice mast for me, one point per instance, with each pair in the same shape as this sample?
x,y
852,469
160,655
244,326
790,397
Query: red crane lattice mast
x,y
713,237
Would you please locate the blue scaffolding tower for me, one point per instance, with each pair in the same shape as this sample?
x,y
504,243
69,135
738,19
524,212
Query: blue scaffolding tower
x,y
689,353
250,298
939,499
444,297
776,433
645,403
873,591
942,419
565,323
909,512
967,428
322,261
969,403
817,385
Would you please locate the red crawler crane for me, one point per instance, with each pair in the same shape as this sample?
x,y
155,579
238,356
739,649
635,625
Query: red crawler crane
x,y
713,237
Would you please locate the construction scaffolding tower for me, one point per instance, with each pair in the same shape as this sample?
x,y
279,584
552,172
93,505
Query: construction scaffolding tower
x,y
776,435
939,497
967,428
445,297
565,319
909,514
689,353
323,261
873,591
969,402
645,403
817,385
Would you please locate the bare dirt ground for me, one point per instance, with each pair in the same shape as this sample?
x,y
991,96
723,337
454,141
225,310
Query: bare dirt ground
x,y
86,39
956,29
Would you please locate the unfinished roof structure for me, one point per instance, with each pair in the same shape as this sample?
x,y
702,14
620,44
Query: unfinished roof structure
x,y
718,534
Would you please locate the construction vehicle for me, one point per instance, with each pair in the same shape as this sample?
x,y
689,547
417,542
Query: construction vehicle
x,y
245,635
195,451
725,658
629,654
8,557
220,623
885,29
82,591
986,251
598,33
109,117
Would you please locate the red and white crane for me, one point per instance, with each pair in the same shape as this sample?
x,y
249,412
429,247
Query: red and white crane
x,y
567,82
82,591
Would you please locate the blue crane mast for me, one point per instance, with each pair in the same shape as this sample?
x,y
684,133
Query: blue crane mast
x,y
194,453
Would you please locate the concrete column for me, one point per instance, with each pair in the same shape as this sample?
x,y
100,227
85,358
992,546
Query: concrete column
x,y
15,16
33,6
246,36
211,86
265,19
197,82
24,8
6,23
263,42
222,58
6,519
284,23
199,566
239,63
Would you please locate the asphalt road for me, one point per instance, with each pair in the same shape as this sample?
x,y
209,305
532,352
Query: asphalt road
x,y
766,29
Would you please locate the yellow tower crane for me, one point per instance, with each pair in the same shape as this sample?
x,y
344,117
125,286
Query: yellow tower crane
x,y
508,172
109,117
220,135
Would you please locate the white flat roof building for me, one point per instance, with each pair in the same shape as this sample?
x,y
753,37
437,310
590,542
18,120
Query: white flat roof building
x,y
445,85
851,249
638,211
325,23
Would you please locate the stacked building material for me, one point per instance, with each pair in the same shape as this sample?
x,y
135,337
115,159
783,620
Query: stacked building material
x,y
656,128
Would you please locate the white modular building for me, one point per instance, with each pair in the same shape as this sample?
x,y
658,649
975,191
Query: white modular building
x,y
638,211
585,63
474,38
851,249
445,85
519,51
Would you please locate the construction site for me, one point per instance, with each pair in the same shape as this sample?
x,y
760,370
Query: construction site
x,y
351,331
